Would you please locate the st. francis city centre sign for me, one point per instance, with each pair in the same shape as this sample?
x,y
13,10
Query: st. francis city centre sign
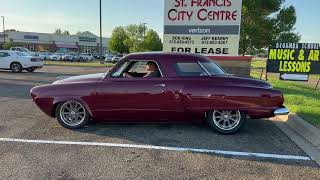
x,y
207,27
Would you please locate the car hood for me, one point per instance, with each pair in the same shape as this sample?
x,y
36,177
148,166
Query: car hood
x,y
80,79
236,80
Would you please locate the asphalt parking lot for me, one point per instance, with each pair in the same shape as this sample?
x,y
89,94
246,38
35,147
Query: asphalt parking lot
x,y
21,119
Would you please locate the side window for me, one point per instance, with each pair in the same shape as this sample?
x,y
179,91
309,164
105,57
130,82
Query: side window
x,y
120,69
139,67
14,49
4,54
189,70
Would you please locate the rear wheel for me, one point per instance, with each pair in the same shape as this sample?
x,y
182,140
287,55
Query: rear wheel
x,y
72,115
16,67
226,122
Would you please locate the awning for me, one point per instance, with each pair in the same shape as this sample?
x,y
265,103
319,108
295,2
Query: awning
x,y
68,46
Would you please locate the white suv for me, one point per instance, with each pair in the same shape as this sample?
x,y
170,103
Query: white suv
x,y
17,61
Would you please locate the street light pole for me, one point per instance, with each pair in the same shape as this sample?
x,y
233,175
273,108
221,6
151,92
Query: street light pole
x,y
101,58
4,30
144,30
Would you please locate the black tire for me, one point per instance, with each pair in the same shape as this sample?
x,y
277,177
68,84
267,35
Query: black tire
x,y
16,67
218,127
31,69
64,123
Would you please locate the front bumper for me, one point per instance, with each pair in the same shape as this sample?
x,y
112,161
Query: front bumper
x,y
281,111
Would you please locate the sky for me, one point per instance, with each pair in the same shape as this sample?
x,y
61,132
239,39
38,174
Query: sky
x,y
83,15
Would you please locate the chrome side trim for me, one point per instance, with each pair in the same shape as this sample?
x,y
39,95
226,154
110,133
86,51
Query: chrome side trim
x,y
281,111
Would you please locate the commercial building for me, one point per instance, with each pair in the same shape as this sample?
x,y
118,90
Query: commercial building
x,y
85,42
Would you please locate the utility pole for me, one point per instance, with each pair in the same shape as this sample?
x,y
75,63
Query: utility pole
x,y
144,30
101,48
4,31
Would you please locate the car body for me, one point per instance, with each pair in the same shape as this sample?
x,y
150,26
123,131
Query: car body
x,y
24,50
69,57
57,57
108,58
17,61
86,57
45,55
191,88
116,58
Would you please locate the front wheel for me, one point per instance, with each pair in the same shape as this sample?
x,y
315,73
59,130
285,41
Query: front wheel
x,y
72,115
226,122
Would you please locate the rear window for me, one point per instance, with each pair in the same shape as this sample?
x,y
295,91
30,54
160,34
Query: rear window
x,y
189,70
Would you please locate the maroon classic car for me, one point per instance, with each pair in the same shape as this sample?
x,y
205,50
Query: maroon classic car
x,y
160,87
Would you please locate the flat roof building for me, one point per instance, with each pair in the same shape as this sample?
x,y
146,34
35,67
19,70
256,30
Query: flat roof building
x,y
85,42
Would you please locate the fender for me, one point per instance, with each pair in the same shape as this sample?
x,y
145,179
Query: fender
x,y
60,99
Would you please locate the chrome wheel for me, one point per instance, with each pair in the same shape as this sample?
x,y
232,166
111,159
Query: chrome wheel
x,y
72,113
226,120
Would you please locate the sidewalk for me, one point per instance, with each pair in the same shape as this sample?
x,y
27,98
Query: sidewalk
x,y
305,135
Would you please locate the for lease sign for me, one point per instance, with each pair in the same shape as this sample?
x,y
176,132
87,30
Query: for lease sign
x,y
207,27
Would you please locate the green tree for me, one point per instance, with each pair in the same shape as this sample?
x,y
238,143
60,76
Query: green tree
x,y
118,37
8,45
265,22
135,41
152,41
66,32
58,31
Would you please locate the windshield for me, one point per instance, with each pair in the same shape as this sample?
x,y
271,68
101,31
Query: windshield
x,y
21,54
212,68
25,50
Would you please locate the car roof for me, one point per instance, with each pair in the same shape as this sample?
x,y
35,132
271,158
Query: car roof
x,y
172,56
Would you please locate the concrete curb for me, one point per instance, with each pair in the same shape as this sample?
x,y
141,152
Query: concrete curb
x,y
305,135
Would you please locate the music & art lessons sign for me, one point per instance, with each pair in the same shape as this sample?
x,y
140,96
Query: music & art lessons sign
x,y
294,61
207,27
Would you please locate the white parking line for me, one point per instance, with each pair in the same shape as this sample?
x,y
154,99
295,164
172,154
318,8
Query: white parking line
x,y
231,153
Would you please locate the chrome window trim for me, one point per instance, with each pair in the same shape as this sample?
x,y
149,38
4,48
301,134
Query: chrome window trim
x,y
204,68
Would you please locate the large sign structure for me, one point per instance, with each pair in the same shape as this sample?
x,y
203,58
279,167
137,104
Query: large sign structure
x,y
207,27
294,61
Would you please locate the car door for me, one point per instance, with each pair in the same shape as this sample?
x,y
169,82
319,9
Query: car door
x,y
5,60
136,99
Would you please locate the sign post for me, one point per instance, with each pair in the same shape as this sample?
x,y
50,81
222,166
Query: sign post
x,y
210,28
294,61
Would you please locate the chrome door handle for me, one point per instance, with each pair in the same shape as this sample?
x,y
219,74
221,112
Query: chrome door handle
x,y
160,85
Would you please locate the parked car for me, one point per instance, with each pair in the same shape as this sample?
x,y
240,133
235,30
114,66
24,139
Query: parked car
x,y
69,57
108,58
45,55
17,61
57,57
75,55
187,87
86,57
96,55
116,58
24,50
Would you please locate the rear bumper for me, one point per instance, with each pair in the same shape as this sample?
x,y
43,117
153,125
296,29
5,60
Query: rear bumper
x,y
281,111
